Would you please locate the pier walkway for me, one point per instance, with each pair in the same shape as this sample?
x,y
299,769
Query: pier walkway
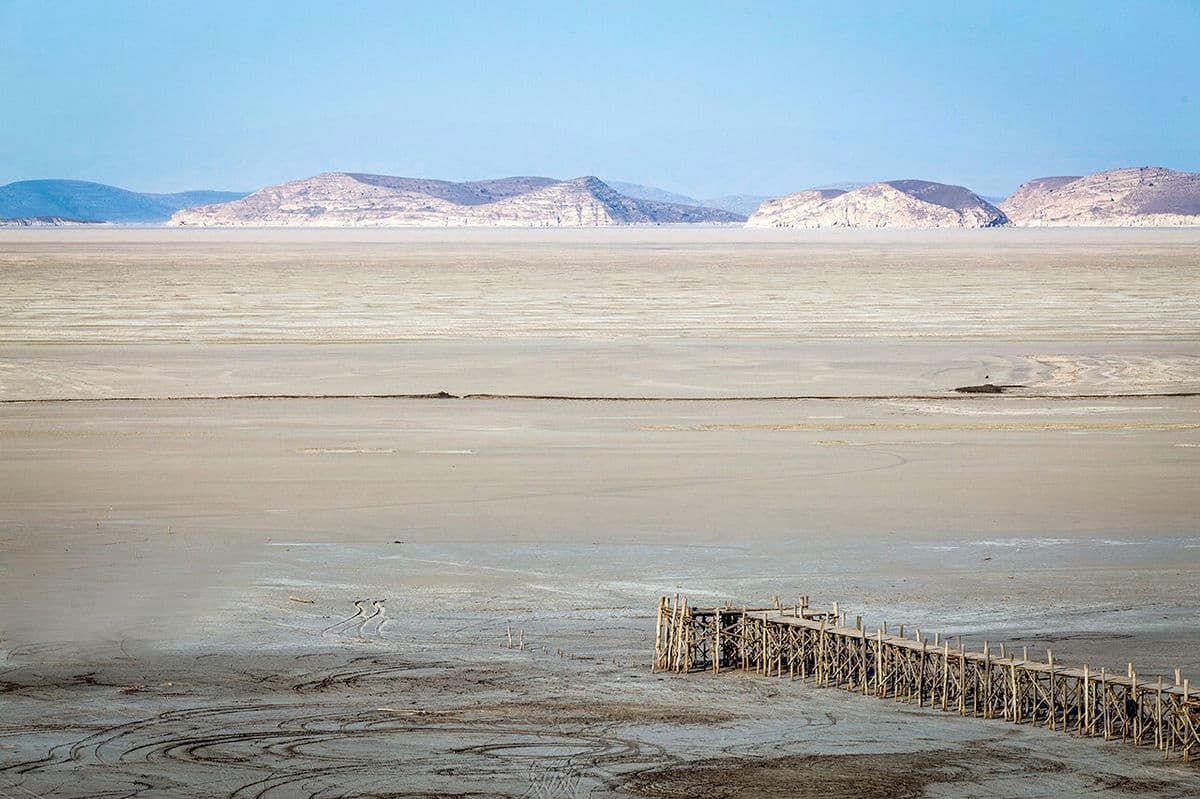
x,y
831,650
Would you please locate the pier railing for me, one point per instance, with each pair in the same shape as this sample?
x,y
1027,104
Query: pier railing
x,y
826,648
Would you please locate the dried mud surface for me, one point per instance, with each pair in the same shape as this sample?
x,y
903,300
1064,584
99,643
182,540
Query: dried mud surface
x,y
323,721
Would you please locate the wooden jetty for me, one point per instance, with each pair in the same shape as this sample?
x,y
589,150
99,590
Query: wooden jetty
x,y
828,649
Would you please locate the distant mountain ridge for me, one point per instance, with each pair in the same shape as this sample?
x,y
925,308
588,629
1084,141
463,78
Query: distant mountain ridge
x,y
346,199
84,201
889,204
741,204
1134,197
1142,196
43,221
640,192
744,204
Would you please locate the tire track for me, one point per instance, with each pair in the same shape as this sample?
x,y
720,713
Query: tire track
x,y
358,603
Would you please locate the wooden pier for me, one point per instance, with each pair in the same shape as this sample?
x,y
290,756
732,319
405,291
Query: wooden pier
x,y
831,650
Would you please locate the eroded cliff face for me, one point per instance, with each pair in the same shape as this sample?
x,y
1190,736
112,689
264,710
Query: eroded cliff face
x,y
339,199
1138,197
894,204
787,211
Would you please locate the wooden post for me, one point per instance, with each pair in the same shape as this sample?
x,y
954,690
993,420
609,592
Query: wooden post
x,y
987,677
862,658
716,652
657,636
1050,660
819,669
962,679
1015,697
676,629
1138,721
680,633
1104,699
1086,716
921,671
743,643
762,648
1158,716
879,663
1187,695
945,673
673,653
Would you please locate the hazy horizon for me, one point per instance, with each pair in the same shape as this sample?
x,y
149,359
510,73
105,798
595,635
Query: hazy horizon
x,y
704,101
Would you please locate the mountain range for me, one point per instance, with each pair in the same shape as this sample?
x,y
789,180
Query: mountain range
x,y
83,201
358,200
1145,196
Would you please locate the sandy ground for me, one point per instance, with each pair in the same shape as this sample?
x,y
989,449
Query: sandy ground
x,y
179,577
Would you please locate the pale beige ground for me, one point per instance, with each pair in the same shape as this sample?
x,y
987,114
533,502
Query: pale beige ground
x,y
151,547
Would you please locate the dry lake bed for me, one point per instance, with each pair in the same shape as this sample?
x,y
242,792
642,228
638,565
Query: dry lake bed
x,y
271,503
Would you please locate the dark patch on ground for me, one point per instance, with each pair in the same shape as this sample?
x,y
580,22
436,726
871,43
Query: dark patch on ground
x,y
885,776
986,388
891,775
1138,786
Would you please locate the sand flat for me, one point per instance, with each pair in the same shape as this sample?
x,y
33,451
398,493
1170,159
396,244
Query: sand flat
x,y
137,286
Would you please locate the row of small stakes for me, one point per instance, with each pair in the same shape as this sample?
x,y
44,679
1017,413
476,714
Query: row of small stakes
x,y
828,649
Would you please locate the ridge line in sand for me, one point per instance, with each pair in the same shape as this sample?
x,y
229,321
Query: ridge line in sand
x,y
443,395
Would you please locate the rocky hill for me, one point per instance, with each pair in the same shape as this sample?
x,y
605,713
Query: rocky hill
x,y
342,199
97,202
893,204
1147,196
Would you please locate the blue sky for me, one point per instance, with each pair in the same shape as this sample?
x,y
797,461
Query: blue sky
x,y
702,98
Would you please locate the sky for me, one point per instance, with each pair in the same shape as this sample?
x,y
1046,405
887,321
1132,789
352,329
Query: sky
x,y
701,98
